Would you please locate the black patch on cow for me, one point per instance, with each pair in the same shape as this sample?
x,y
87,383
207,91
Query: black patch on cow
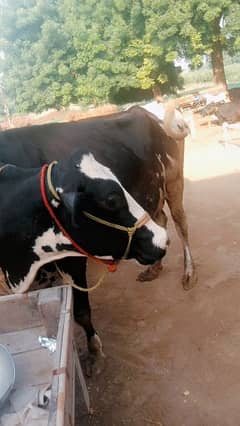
x,y
42,281
62,247
47,249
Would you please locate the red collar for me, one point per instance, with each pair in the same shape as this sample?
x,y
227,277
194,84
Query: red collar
x,y
111,264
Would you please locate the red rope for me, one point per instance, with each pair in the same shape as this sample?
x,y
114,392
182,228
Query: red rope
x,y
111,264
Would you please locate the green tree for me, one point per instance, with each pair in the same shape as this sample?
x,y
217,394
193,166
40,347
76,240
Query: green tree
x,y
114,51
63,51
231,30
200,26
34,49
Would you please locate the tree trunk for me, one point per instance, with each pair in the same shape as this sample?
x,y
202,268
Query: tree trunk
x,y
157,94
217,57
6,110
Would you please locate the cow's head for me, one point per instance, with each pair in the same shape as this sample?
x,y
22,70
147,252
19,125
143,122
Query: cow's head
x,y
86,186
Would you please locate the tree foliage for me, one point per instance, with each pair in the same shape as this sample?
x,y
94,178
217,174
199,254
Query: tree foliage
x,y
202,30
58,52
231,31
63,51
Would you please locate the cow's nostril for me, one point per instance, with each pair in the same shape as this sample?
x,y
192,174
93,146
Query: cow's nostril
x,y
168,242
162,253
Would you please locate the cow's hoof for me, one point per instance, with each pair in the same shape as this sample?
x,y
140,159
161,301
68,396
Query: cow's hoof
x,y
92,365
95,346
189,280
94,360
150,273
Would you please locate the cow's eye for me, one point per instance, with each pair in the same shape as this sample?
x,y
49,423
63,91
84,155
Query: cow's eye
x,y
114,201
81,188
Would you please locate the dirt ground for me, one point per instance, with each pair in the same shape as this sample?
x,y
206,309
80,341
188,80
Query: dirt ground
x,y
172,357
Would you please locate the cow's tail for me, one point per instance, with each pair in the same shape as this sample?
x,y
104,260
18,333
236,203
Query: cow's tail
x,y
174,124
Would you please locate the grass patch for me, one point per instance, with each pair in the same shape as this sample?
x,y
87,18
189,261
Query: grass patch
x,y
203,78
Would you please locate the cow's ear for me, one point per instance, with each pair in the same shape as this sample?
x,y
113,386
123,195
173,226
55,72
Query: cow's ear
x,y
6,168
68,200
74,202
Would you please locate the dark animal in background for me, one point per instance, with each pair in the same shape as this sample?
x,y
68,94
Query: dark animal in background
x,y
229,112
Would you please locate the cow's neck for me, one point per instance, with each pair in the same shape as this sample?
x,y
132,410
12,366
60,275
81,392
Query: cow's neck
x,y
41,243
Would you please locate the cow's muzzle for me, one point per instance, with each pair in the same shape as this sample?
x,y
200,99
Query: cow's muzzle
x,y
130,230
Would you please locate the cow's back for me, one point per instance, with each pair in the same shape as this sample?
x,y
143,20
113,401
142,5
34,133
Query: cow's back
x,y
32,146
131,143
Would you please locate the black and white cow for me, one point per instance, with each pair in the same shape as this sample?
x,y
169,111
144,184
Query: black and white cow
x,y
132,144
30,237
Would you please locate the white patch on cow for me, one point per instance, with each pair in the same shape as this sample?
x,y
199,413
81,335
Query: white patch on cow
x,y
59,190
189,261
95,345
171,160
26,282
11,285
51,239
156,108
95,170
178,126
159,234
55,203
161,194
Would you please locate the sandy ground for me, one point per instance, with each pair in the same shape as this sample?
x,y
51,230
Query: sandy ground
x,y
172,357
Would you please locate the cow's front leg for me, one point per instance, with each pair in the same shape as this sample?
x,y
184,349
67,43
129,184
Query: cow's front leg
x,y
152,272
93,359
73,270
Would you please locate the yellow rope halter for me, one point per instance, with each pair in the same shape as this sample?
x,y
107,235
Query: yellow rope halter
x,y
130,231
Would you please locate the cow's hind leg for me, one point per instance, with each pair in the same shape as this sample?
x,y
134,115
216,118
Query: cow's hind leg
x,y
175,202
74,270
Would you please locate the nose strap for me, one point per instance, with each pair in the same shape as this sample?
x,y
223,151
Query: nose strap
x,y
130,230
